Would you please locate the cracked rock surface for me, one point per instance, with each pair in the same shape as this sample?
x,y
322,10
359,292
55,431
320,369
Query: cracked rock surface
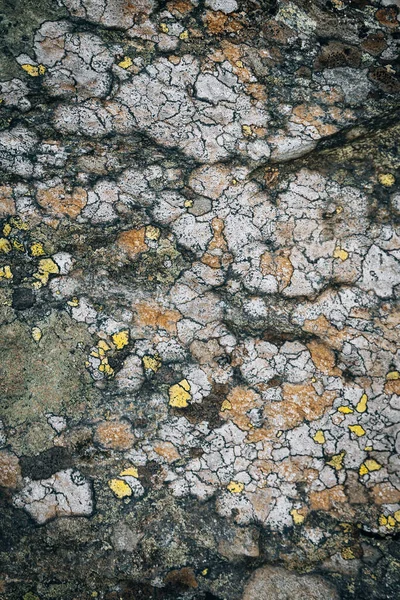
x,y
199,299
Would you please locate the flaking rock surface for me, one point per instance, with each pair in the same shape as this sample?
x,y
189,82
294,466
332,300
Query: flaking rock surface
x,y
199,299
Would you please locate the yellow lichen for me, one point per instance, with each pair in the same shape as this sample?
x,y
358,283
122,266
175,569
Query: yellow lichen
x,y
397,515
204,572
297,517
17,245
226,405
319,437
386,179
372,465
340,253
235,487
46,267
152,363
7,229
131,472
247,131
5,246
120,488
121,339
18,223
152,233
164,27
357,430
125,63
346,410
337,461
102,344
369,465
184,35
34,71
347,554
73,302
37,249
391,376
188,203
5,272
362,405
36,334
179,394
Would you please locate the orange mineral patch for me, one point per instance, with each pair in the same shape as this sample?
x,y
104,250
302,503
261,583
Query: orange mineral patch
x,y
168,451
328,499
132,242
323,358
300,402
57,201
279,265
155,316
7,205
115,435
10,471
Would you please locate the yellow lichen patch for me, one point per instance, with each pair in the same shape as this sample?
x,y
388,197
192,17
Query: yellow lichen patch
x,y
37,249
46,267
18,223
102,345
125,63
337,460
184,35
189,203
345,410
179,394
152,233
204,572
120,488
357,430
17,245
34,71
235,487
130,472
106,368
347,553
121,339
164,27
362,405
5,246
247,131
340,253
152,363
5,272
319,437
391,376
226,405
369,465
36,334
386,179
397,516
297,517
7,229
73,302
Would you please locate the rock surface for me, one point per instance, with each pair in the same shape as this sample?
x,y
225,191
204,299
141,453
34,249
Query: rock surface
x,y
199,299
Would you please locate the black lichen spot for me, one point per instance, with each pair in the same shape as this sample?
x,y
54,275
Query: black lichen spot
x,y
46,463
23,298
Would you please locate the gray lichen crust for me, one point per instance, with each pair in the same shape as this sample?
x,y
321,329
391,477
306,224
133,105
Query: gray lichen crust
x,y
199,298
